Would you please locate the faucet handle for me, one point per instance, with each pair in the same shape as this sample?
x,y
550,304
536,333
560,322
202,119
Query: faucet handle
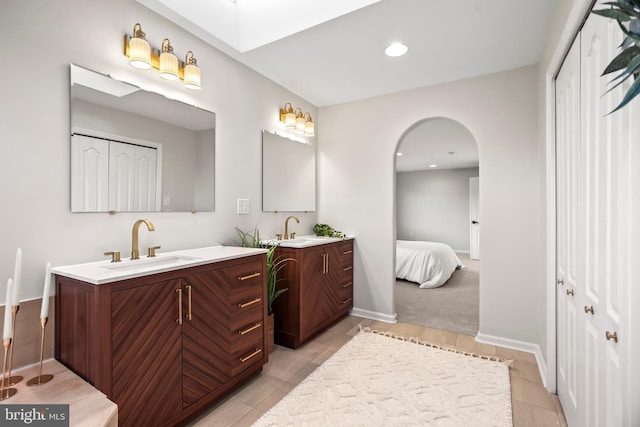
x,y
152,251
292,235
115,256
278,236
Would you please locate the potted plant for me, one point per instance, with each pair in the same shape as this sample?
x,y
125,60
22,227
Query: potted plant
x,y
251,239
627,14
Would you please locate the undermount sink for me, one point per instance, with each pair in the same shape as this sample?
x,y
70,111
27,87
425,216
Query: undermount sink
x,y
149,263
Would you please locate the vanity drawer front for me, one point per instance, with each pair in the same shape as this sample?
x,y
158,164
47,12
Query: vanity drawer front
x,y
345,289
244,334
245,282
246,354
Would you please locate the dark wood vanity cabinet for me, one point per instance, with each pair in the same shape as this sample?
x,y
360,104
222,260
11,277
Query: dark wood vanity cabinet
x,y
165,346
320,290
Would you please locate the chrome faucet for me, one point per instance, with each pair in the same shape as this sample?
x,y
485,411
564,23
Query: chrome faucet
x,y
286,227
135,254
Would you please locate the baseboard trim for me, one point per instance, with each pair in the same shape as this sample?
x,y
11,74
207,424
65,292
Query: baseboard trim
x,y
462,252
373,315
520,346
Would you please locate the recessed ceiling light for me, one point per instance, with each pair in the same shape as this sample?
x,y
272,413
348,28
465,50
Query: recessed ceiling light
x,y
396,49
433,166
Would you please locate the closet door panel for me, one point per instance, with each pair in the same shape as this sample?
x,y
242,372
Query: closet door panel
x,y
568,231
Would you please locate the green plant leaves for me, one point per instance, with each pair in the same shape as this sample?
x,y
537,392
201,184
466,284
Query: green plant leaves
x,y
628,59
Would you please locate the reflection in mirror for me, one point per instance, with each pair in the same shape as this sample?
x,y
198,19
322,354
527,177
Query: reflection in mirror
x,y
288,174
136,151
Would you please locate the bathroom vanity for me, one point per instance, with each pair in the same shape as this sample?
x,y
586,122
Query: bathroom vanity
x,y
164,337
320,287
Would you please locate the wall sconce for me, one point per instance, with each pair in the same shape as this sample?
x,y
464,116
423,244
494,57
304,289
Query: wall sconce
x,y
296,119
143,56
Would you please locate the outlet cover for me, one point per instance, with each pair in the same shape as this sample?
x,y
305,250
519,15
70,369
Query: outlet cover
x,y
243,206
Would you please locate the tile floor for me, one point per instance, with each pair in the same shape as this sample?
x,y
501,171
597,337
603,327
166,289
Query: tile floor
x,y
532,405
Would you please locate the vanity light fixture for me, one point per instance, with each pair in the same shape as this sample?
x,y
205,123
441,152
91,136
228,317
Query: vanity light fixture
x,y
300,120
143,56
192,75
168,62
288,116
309,127
139,49
296,119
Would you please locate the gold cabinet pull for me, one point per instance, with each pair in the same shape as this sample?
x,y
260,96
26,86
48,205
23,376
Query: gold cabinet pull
x,y
560,281
255,353
347,252
570,292
346,285
179,319
248,303
347,268
250,276
612,336
189,317
346,301
326,260
246,331
588,309
324,264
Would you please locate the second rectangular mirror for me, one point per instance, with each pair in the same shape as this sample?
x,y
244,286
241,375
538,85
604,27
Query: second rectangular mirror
x,y
288,174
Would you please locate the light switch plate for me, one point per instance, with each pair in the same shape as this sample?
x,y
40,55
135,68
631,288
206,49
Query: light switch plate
x,y
243,206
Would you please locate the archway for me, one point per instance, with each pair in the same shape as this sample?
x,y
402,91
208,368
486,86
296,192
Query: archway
x,y
437,226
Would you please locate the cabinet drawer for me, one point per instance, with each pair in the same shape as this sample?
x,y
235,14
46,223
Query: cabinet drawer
x,y
247,355
245,282
247,333
345,289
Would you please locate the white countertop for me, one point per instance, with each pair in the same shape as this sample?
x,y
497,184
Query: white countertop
x,y
101,272
304,241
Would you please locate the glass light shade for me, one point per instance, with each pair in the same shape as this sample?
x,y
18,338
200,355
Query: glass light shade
x,y
168,66
290,119
300,123
192,77
139,53
309,128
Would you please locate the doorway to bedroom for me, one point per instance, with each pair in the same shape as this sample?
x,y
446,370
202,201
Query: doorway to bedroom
x,y
438,227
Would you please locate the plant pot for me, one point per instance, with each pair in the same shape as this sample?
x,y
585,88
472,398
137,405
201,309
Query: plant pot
x,y
270,334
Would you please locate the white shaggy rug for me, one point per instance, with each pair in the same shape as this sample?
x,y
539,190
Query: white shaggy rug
x,y
377,380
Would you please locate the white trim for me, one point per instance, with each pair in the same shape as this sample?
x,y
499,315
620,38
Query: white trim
x,y
462,252
578,12
527,347
359,312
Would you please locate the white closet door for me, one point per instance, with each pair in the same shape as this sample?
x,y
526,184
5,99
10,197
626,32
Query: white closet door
x,y
145,179
607,184
121,176
89,174
568,231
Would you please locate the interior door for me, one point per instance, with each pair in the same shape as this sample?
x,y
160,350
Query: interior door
x,y
89,174
568,231
474,214
605,156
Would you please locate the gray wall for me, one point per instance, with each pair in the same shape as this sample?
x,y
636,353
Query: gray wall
x,y
433,205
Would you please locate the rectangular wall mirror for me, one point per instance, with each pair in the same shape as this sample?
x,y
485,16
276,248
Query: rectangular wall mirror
x,y
288,174
134,150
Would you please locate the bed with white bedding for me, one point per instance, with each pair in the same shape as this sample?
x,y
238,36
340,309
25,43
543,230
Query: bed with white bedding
x,y
429,264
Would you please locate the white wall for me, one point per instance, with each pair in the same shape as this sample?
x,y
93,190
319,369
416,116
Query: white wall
x,y
433,205
357,185
35,139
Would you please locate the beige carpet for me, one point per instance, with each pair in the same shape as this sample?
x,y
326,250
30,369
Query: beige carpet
x,y
377,380
452,307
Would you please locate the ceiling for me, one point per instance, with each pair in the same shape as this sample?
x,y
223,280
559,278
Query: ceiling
x,y
436,144
331,51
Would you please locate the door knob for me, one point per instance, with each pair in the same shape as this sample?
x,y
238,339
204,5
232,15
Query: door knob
x,y
475,222
570,292
612,336
560,281
588,309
